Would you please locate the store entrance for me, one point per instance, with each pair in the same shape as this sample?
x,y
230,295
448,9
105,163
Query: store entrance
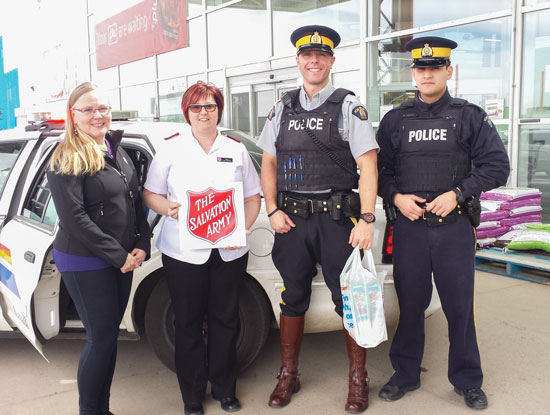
x,y
250,104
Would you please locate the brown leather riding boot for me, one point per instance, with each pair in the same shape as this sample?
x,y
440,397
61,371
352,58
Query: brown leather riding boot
x,y
292,331
358,394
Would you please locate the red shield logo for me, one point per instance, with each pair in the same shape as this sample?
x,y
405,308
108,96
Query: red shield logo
x,y
211,215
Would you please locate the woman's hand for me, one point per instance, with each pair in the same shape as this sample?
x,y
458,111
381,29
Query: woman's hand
x,y
129,265
139,255
173,209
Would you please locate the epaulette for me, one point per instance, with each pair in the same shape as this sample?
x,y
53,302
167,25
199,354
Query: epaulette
x,y
171,136
233,138
458,102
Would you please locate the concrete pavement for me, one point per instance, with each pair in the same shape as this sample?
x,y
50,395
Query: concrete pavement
x,y
513,320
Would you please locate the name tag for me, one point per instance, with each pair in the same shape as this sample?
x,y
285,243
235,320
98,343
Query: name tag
x,y
225,160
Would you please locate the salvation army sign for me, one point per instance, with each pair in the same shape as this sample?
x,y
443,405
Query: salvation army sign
x,y
146,29
213,218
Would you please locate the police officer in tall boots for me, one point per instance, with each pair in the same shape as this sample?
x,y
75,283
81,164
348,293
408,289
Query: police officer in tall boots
x,y
313,141
437,153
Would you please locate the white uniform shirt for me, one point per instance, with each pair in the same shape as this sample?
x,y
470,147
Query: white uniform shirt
x,y
182,158
357,132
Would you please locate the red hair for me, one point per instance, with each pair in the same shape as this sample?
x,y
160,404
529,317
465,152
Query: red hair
x,y
199,91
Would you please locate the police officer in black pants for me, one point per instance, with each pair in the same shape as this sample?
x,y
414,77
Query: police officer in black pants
x,y
309,199
436,154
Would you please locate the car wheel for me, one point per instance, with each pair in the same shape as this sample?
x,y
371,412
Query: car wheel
x,y
254,322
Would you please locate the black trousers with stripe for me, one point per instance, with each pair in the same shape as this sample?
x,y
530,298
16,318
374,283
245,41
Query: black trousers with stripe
x,y
449,252
318,239
207,291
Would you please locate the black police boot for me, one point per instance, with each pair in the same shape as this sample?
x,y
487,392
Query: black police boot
x,y
393,393
193,409
475,398
230,404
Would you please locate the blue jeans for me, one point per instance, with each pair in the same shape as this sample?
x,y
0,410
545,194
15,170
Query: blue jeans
x,y
100,297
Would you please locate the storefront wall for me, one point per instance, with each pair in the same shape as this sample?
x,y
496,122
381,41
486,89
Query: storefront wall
x,y
243,48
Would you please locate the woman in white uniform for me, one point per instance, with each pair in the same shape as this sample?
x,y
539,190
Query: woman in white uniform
x,y
203,283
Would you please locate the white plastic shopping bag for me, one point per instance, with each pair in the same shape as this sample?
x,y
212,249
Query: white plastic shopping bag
x,y
363,298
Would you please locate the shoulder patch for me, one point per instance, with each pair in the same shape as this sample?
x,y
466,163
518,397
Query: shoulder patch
x,y
271,113
487,120
360,112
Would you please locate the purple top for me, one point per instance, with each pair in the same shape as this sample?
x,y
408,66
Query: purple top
x,y
70,262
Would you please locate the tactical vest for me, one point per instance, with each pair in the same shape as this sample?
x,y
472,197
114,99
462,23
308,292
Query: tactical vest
x,y
301,164
430,156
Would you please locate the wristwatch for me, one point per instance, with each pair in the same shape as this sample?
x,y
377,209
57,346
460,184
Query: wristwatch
x,y
459,195
368,217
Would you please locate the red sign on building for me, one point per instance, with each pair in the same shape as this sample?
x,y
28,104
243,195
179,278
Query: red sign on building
x,y
146,29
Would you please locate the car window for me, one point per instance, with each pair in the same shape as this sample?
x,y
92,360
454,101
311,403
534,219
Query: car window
x,y
9,152
255,152
40,206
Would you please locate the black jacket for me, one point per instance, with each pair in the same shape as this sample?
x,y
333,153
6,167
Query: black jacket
x,y
491,166
101,215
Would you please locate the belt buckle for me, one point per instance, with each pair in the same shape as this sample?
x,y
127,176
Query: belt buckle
x,y
424,217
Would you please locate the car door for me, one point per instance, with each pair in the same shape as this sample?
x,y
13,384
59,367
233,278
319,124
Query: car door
x,y
25,252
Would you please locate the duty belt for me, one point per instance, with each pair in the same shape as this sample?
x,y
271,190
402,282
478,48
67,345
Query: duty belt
x,y
337,204
434,220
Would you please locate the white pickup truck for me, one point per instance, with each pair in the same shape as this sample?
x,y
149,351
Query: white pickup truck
x,y
34,300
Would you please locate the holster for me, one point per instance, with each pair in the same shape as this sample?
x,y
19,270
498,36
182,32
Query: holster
x,y
473,210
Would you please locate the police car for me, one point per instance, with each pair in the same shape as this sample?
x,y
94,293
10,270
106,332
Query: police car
x,y
35,302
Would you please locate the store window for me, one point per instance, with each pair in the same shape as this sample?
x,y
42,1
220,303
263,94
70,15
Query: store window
x,y
170,93
237,34
264,103
288,15
107,78
535,83
139,71
194,7
240,110
91,32
481,68
114,98
215,3
534,162
141,98
395,15
186,60
348,80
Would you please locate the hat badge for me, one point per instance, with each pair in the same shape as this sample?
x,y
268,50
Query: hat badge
x,y
315,38
427,50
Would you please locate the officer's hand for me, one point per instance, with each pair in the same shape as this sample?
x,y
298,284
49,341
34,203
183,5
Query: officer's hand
x,y
173,209
443,204
407,205
361,235
280,222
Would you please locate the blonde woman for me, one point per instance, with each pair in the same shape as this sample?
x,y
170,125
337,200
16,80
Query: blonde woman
x,y
103,234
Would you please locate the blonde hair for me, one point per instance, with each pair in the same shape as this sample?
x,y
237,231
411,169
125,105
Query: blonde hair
x,y
78,153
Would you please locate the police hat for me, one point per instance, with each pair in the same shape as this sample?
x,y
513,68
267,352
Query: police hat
x,y
430,51
315,38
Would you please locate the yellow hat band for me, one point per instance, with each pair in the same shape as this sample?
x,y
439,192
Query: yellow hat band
x,y
436,53
314,39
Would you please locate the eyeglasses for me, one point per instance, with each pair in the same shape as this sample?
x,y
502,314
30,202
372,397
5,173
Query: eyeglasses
x,y
91,111
198,107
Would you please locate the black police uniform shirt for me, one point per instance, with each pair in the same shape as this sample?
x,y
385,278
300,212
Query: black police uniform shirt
x,y
353,124
477,135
